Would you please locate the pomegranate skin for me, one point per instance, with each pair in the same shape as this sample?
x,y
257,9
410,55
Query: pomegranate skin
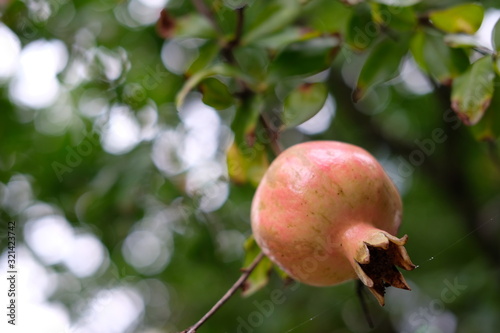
x,y
323,209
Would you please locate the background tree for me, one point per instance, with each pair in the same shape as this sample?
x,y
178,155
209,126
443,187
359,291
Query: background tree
x,y
132,143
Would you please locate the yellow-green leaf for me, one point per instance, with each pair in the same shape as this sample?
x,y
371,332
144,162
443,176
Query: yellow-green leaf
x,y
488,129
465,18
472,91
247,157
245,120
281,273
247,164
484,131
401,19
260,275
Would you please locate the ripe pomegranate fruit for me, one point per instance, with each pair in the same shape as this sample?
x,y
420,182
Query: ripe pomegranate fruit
x,y
326,212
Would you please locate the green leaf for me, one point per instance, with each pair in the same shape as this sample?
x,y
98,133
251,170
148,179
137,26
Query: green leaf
x,y
496,64
278,41
485,129
401,19
216,94
188,26
253,61
361,29
398,3
247,157
193,81
304,58
417,44
320,13
465,18
206,54
303,103
268,17
247,164
282,274
245,120
260,275
472,91
495,37
444,63
382,65
488,129
436,58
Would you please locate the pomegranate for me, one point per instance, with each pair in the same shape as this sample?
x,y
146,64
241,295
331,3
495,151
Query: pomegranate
x,y
326,212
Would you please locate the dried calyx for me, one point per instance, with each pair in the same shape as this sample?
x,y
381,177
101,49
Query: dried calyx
x,y
376,262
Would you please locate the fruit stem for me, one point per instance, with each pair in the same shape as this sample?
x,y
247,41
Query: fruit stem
x,y
237,285
362,301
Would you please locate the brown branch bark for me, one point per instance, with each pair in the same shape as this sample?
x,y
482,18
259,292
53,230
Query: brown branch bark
x,y
273,134
239,26
237,285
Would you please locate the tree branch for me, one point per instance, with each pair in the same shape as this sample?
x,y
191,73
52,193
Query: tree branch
x,y
228,49
273,134
362,300
237,285
227,52
240,19
203,9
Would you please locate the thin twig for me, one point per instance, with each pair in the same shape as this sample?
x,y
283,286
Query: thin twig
x,y
228,50
362,300
228,54
202,8
484,50
237,285
273,134
240,19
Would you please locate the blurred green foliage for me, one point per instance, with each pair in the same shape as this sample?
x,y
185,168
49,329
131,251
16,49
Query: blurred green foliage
x,y
400,81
